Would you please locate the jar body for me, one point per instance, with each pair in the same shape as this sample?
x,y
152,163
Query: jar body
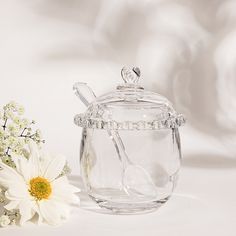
x,y
154,152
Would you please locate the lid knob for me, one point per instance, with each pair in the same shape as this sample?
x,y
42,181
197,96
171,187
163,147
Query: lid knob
x,y
130,76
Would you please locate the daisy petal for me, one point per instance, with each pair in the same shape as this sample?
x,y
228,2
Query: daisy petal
x,y
26,211
17,192
65,192
22,166
35,207
9,176
34,150
53,212
34,160
44,161
55,167
12,205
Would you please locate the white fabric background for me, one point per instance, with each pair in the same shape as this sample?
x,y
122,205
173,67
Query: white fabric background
x,y
186,50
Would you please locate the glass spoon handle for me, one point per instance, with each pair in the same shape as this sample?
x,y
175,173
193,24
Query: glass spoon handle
x,y
86,95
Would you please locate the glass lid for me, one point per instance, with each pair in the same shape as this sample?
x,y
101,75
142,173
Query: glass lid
x,y
129,107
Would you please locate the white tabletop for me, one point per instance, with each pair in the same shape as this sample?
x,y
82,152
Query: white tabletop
x,y
204,203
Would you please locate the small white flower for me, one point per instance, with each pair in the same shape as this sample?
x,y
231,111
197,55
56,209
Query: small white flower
x,y
25,123
9,114
4,221
17,120
21,110
13,129
35,187
38,133
2,132
11,140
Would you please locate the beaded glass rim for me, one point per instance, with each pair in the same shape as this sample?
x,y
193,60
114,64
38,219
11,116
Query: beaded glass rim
x,y
95,123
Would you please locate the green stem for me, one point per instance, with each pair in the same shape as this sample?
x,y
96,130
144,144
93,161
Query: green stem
x,y
7,152
5,124
21,135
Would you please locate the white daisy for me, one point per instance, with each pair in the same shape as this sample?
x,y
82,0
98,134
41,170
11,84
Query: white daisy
x,y
36,187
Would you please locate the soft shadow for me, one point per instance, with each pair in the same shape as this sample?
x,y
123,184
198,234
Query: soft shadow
x,y
86,202
209,161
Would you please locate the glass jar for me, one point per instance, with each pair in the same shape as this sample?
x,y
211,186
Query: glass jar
x,y
130,149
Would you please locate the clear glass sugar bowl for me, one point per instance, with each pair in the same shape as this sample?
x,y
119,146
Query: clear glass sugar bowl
x,y
130,152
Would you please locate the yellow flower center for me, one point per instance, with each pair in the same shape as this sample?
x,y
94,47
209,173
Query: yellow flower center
x,y
40,188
